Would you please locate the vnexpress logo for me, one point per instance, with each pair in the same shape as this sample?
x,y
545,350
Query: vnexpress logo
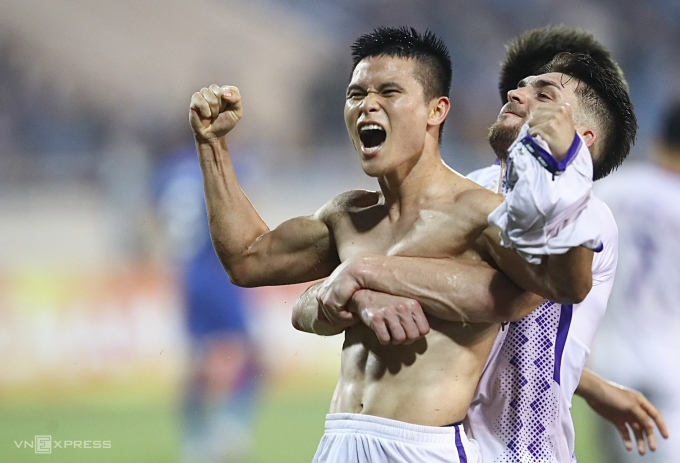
x,y
43,444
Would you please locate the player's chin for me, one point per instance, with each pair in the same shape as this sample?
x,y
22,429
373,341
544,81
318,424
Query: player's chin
x,y
371,170
505,129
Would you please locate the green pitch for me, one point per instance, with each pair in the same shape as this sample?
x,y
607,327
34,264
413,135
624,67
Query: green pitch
x,y
288,428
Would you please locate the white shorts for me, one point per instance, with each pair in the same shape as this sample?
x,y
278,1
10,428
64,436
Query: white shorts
x,y
356,438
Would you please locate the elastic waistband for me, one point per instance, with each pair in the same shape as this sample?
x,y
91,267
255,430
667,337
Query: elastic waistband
x,y
393,429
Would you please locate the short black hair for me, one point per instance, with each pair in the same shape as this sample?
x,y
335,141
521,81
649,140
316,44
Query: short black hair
x,y
434,70
670,126
603,96
529,51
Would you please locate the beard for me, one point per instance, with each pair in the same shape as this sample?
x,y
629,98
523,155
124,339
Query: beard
x,y
501,137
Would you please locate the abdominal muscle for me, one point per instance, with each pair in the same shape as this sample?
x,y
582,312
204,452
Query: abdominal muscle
x,y
430,382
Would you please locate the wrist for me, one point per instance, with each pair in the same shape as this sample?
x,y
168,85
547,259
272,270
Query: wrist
x,y
363,268
210,140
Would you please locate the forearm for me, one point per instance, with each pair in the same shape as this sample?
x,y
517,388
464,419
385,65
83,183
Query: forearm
x,y
308,317
564,278
234,223
300,249
450,289
589,384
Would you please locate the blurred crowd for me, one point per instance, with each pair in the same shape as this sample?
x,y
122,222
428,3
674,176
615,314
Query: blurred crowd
x,y
53,129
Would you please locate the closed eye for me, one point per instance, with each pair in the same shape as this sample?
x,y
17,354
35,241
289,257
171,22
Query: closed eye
x,y
355,91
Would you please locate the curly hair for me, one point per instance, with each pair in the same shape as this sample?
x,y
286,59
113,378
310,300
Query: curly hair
x,y
531,50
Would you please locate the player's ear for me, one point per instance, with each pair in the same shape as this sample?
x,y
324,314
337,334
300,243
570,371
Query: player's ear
x,y
588,135
439,110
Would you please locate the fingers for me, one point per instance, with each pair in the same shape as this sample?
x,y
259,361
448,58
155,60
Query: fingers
x,y
338,317
648,430
548,112
656,415
422,325
200,106
404,323
625,435
394,319
399,334
553,122
643,426
209,102
230,96
646,416
639,437
212,96
377,324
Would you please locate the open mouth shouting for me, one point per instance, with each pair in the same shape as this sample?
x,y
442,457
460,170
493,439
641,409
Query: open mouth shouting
x,y
372,138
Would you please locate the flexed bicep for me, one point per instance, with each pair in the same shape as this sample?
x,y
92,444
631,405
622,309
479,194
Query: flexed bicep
x,y
300,249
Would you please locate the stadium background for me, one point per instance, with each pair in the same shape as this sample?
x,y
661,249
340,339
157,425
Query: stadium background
x,y
93,94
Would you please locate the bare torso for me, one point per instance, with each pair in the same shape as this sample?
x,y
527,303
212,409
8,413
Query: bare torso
x,y
432,381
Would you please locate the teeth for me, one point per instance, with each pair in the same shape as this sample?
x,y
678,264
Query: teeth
x,y
370,127
372,149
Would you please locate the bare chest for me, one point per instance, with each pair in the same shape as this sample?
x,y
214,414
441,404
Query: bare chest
x,y
423,233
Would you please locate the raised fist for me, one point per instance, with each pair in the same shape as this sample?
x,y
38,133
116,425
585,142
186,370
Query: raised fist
x,y
214,111
554,123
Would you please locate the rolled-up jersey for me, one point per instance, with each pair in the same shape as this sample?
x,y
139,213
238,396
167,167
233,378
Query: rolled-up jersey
x,y
521,410
547,202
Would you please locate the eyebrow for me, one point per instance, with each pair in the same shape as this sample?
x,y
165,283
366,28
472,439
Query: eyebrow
x,y
381,87
540,83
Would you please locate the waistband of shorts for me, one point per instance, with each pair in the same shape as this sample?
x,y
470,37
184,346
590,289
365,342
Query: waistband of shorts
x,y
393,429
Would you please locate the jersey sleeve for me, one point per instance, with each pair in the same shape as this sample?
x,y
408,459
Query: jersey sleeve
x,y
547,209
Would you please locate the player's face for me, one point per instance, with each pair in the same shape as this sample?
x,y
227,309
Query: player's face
x,y
386,113
553,87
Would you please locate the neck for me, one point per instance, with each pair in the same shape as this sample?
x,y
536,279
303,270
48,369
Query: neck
x,y
407,192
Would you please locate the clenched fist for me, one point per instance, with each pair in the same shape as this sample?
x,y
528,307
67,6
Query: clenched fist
x,y
214,111
554,123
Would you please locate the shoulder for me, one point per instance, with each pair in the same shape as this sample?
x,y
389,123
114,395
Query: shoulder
x,y
480,198
349,201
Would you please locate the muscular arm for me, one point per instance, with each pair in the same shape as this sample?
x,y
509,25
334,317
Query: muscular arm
x,y
448,288
394,319
298,250
564,278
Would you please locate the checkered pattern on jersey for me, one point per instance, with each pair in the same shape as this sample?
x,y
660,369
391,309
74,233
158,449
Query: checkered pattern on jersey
x,y
529,382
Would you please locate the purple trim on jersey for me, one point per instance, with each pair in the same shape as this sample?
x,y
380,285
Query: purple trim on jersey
x,y
561,338
600,248
546,159
462,457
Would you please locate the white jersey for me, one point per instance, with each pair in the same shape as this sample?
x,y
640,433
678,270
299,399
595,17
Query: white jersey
x,y
638,343
521,411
